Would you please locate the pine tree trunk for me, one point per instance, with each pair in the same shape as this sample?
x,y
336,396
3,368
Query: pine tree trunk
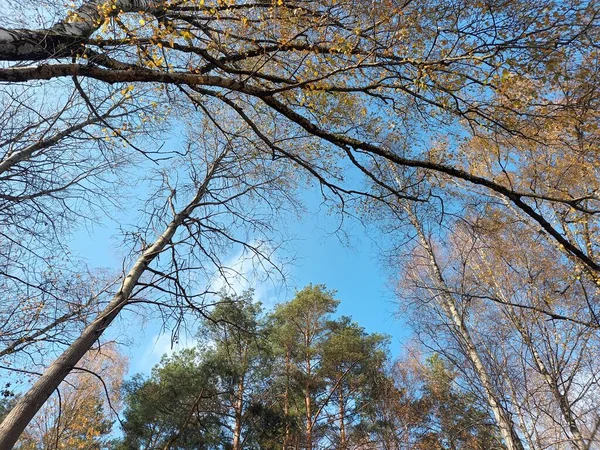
x,y
308,404
239,404
342,411
286,400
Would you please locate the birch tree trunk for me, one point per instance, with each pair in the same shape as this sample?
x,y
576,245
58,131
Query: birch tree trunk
x,y
62,39
25,409
550,379
501,416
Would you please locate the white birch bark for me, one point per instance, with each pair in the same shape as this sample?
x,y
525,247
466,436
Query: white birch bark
x,y
60,40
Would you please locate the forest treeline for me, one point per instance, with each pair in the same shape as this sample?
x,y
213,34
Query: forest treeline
x,y
296,377
300,376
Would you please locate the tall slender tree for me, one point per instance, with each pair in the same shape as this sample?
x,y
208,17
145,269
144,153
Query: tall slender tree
x,y
304,322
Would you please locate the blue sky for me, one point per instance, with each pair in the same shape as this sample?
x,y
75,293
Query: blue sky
x,y
351,267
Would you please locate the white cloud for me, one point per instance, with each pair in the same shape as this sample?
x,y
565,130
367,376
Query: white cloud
x,y
242,272
160,344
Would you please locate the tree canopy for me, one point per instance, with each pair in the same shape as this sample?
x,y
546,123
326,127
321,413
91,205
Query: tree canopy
x,y
466,130
253,388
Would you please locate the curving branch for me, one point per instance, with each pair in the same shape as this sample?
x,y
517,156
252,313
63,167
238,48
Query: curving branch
x,y
343,141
